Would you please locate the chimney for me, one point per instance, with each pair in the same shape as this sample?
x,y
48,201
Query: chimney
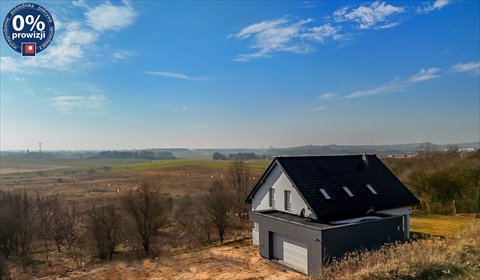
x,y
365,159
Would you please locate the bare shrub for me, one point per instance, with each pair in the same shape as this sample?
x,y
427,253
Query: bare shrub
x,y
239,179
45,206
218,204
106,227
60,224
74,234
200,224
8,222
183,210
27,222
422,259
192,214
148,210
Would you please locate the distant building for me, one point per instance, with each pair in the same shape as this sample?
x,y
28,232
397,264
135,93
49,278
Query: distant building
x,y
467,149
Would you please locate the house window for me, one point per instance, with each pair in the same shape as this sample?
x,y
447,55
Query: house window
x,y
272,198
288,204
371,189
325,194
347,190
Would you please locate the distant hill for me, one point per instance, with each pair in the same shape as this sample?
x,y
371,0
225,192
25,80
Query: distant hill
x,y
383,150
171,153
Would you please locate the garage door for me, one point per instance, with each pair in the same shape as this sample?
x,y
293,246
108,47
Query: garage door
x,y
292,252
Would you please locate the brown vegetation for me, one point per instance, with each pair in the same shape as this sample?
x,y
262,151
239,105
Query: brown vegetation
x,y
147,209
423,259
445,182
56,226
240,179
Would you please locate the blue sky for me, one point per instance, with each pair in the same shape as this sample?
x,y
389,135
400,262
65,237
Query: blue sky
x,y
123,75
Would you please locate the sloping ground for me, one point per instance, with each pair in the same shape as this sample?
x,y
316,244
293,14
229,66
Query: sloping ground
x,y
424,259
439,225
239,261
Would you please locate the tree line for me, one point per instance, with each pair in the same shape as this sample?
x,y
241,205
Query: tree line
x,y
446,182
143,154
237,156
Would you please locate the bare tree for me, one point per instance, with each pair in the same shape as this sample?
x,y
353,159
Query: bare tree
x,y
106,226
427,149
27,222
74,234
240,181
192,214
183,210
8,222
218,205
45,206
201,224
148,211
60,224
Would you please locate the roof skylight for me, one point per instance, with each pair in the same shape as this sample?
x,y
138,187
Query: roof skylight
x,y
371,189
325,194
347,190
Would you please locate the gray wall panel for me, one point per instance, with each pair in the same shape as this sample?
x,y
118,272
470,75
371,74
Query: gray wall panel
x,y
368,235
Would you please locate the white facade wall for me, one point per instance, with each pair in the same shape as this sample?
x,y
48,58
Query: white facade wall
x,y
280,182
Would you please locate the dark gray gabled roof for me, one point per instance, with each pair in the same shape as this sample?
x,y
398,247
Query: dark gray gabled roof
x,y
332,173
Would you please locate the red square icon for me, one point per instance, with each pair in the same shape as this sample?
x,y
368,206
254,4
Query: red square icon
x,y
29,48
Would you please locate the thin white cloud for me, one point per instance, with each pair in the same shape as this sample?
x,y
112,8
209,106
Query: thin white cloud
x,y
174,75
470,67
122,55
10,65
17,79
424,75
430,7
308,4
320,33
79,3
67,103
252,56
70,48
388,88
327,95
111,17
283,35
374,16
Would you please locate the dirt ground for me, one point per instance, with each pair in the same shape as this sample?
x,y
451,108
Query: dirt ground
x,y
237,260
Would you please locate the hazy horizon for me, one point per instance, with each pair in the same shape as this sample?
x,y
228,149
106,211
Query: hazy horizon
x,y
245,74
227,148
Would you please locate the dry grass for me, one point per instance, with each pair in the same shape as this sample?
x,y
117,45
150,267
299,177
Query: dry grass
x,y
451,258
237,260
